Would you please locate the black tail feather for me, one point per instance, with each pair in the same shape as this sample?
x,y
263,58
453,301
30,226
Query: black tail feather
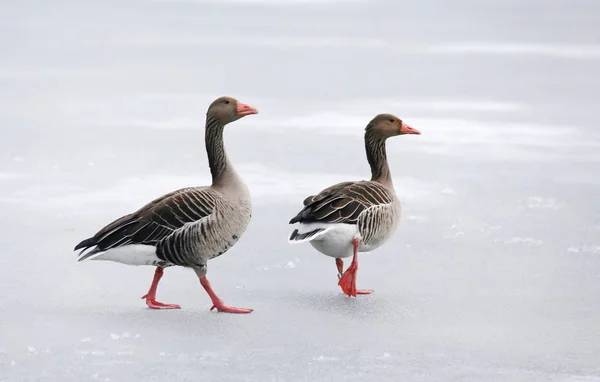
x,y
301,236
83,256
86,243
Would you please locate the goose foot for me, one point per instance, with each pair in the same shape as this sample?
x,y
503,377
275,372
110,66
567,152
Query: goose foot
x,y
151,295
153,304
217,302
230,309
347,280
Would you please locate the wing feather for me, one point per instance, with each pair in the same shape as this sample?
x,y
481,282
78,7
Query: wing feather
x,y
156,220
343,202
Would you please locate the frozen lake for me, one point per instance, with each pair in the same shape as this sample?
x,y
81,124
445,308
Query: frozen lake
x,y
493,275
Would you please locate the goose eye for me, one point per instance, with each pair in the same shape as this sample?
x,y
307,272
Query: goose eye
x,y
392,120
227,102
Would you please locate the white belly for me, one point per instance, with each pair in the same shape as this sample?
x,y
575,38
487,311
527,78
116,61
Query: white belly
x,y
337,241
132,254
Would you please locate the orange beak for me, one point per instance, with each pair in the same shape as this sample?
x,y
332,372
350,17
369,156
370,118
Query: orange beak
x,y
406,129
244,110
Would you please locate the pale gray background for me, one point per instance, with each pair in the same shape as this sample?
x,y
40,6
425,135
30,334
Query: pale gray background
x,y
494,274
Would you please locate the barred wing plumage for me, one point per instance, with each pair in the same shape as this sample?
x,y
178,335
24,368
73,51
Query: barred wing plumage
x,y
343,202
156,220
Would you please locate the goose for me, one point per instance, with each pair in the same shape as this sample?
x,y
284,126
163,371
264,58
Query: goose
x,y
186,227
356,216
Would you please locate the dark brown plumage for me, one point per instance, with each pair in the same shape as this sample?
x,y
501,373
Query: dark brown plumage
x,y
343,202
155,222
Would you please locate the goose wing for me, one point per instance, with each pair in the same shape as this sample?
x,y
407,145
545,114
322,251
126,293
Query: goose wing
x,y
343,202
156,220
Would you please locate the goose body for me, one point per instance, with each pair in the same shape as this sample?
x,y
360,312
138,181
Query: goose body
x,y
187,227
352,217
331,219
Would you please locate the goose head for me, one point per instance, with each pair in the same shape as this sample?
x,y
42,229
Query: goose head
x,y
388,125
229,109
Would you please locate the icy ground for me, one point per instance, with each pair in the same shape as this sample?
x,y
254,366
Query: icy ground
x,y
494,274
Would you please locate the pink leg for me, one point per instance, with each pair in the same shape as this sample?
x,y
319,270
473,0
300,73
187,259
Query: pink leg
x,y
348,279
340,266
217,302
151,295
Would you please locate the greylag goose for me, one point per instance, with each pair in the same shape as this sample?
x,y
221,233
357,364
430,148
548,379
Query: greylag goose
x,y
186,227
352,217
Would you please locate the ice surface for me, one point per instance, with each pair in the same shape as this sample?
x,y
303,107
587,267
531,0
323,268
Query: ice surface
x,y
494,274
